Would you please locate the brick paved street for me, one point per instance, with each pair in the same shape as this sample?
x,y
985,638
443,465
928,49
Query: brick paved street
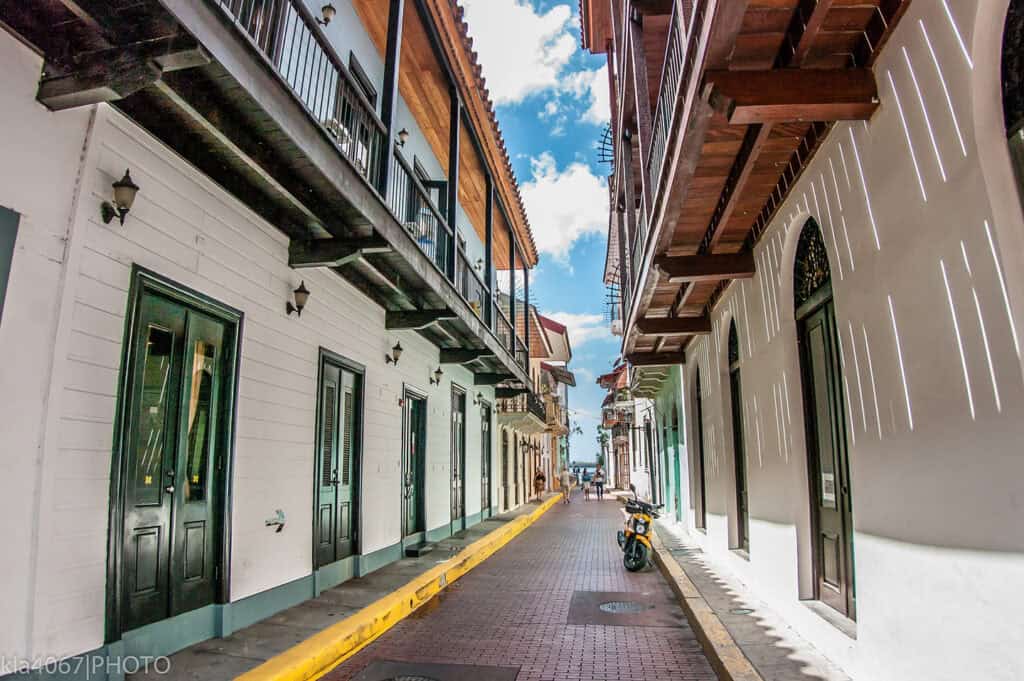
x,y
514,612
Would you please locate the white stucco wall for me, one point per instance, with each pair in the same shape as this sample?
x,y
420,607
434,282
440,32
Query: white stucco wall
x,y
931,375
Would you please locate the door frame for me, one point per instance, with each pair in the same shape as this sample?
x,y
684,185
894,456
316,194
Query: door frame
x,y
818,300
328,356
143,281
458,390
409,391
484,404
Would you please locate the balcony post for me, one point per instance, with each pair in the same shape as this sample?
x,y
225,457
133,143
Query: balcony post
x,y
454,129
641,93
489,252
389,101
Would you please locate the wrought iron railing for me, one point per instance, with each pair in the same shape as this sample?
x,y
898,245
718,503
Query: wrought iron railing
x,y
526,403
410,201
287,34
522,353
503,329
676,76
470,285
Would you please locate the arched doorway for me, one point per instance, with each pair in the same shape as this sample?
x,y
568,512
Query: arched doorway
x,y
739,451
1013,85
824,415
701,505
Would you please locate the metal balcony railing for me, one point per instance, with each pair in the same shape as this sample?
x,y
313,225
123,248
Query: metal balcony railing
x,y
527,403
503,329
676,76
410,201
522,353
287,34
470,285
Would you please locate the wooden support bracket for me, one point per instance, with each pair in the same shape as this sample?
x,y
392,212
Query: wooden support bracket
x,y
673,326
651,359
416,319
490,379
463,356
789,95
714,267
333,252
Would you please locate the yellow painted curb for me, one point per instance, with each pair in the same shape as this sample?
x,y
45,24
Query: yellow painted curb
x,y
721,649
322,652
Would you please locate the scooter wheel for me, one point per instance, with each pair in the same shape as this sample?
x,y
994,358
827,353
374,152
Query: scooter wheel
x,y
635,557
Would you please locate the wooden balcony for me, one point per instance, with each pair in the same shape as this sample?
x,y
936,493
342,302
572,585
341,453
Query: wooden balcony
x,y
524,413
255,96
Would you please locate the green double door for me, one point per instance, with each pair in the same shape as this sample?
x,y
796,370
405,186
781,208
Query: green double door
x,y
485,460
173,461
337,462
458,462
414,455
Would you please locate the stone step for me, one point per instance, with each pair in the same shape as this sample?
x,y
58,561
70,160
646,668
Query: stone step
x,y
417,550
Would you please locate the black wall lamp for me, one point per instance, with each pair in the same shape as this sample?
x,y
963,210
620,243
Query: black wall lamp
x,y
478,400
436,378
396,353
403,136
301,296
327,11
124,196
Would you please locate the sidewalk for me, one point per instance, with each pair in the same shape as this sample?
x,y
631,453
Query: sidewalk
x,y
223,659
772,648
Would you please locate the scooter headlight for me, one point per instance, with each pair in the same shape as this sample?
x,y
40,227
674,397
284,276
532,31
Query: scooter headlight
x,y
640,527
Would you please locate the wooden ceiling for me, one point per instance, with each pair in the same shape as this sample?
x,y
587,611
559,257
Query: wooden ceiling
x,y
738,167
423,84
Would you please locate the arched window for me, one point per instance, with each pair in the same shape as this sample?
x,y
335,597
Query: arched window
x,y
824,410
739,451
1013,84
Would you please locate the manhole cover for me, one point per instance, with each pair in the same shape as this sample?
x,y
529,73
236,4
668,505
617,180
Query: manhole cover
x,y
741,611
623,607
412,678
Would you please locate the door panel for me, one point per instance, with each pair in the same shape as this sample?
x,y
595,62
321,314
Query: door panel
x,y
485,459
173,458
458,461
413,463
702,498
194,582
828,466
740,464
338,449
504,469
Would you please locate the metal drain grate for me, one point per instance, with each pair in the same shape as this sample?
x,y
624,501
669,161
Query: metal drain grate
x,y
412,678
623,607
741,611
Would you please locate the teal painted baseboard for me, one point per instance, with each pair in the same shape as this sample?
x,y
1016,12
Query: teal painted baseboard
x,y
330,576
474,519
374,561
439,533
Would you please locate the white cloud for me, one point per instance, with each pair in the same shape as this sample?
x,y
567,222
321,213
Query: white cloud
x,y
564,205
521,51
583,372
592,85
582,327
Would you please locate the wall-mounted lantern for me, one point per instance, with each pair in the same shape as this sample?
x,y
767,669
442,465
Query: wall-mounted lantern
x,y
478,400
436,378
124,196
396,353
403,137
301,296
327,12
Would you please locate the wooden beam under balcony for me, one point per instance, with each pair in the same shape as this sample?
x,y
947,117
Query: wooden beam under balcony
x,y
673,326
787,95
507,393
652,359
396,320
333,252
115,73
712,267
491,379
463,356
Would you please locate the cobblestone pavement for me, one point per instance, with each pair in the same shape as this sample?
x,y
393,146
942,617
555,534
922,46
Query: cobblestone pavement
x,y
513,611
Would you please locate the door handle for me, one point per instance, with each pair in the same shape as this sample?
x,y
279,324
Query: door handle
x,y
169,489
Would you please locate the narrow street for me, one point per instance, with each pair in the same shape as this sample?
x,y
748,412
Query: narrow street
x,y
531,613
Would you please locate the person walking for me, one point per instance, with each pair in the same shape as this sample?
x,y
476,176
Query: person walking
x,y
565,480
599,483
539,482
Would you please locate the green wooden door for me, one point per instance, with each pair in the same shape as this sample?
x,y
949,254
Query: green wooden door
x,y
504,470
677,474
174,463
337,463
458,461
485,460
701,505
413,464
832,505
739,463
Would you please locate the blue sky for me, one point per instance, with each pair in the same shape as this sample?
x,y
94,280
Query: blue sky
x,y
552,103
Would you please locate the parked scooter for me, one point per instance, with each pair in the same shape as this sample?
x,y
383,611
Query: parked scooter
x,y
635,538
